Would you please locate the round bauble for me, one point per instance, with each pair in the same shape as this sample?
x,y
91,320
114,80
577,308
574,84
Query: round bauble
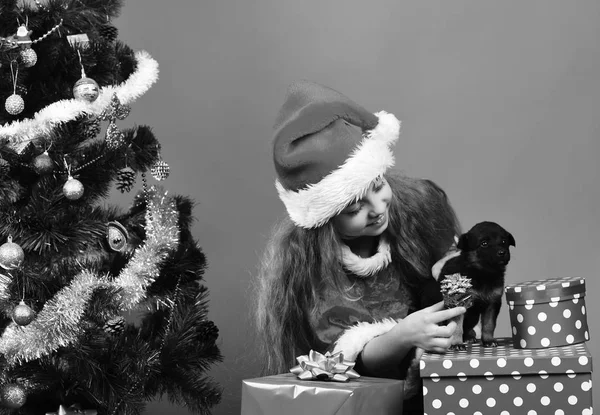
x,y
28,57
14,104
11,255
86,89
13,396
117,236
160,170
43,164
73,189
23,314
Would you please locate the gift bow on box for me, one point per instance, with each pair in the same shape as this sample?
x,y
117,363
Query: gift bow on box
x,y
73,410
324,367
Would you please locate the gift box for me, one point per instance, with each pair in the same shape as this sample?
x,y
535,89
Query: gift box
x,y
545,313
287,394
507,381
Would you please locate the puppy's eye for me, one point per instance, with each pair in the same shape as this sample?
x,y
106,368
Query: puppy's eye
x,y
504,242
484,244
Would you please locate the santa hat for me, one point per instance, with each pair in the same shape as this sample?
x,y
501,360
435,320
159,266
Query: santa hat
x,y
327,151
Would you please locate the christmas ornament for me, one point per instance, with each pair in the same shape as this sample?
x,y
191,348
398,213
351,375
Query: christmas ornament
x,y
125,179
73,410
114,137
208,330
43,164
117,236
115,110
85,88
115,326
160,170
23,36
73,188
11,255
108,32
5,167
13,396
89,128
14,104
80,41
22,314
28,57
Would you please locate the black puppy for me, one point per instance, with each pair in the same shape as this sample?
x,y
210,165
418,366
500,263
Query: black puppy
x,y
483,258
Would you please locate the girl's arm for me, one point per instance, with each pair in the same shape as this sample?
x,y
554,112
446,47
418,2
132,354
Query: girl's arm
x,y
382,355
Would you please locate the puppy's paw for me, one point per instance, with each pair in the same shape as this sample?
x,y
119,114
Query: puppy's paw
x,y
470,337
459,347
489,343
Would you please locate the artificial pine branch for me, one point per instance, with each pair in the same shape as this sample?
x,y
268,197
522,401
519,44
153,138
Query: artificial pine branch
x,y
71,275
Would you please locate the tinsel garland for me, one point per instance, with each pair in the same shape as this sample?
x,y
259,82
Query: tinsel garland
x,y
4,283
20,133
58,323
162,236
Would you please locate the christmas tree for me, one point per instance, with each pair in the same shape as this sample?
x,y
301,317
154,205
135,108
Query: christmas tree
x,y
72,267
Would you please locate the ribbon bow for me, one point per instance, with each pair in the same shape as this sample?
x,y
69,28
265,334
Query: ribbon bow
x,y
324,367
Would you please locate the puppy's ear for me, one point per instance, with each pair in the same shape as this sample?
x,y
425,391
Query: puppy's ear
x,y
511,239
463,241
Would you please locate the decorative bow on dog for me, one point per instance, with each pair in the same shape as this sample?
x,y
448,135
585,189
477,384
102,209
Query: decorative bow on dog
x,y
73,410
324,367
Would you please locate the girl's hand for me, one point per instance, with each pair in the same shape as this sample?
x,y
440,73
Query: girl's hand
x,y
422,329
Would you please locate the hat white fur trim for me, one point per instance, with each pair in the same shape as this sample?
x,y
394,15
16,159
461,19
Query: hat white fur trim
x,y
354,339
314,205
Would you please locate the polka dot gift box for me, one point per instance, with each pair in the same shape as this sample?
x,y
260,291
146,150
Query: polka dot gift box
x,y
548,312
507,381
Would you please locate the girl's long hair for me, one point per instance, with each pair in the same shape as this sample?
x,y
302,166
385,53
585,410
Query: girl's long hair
x,y
297,262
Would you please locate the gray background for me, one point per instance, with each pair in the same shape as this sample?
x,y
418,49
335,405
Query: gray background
x,y
499,100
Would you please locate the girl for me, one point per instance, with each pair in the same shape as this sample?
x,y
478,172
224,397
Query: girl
x,y
349,270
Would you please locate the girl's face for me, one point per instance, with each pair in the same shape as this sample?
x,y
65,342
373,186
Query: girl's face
x,y
367,216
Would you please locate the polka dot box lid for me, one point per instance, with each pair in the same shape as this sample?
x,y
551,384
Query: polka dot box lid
x,y
544,291
506,360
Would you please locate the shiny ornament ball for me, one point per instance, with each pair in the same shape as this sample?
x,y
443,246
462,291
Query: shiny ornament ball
x,y
13,396
160,170
14,104
43,164
28,57
86,89
117,236
73,189
11,255
23,314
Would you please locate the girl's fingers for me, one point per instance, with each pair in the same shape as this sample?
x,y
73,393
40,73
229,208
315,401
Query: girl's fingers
x,y
448,314
434,308
446,331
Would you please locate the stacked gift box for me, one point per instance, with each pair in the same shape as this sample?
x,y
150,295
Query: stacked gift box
x,y
544,368
322,384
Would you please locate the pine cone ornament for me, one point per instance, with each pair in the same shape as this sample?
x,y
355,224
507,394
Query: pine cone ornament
x,y
108,32
89,128
160,170
115,326
125,179
208,330
4,167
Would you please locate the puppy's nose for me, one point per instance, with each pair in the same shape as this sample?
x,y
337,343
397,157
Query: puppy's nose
x,y
501,252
